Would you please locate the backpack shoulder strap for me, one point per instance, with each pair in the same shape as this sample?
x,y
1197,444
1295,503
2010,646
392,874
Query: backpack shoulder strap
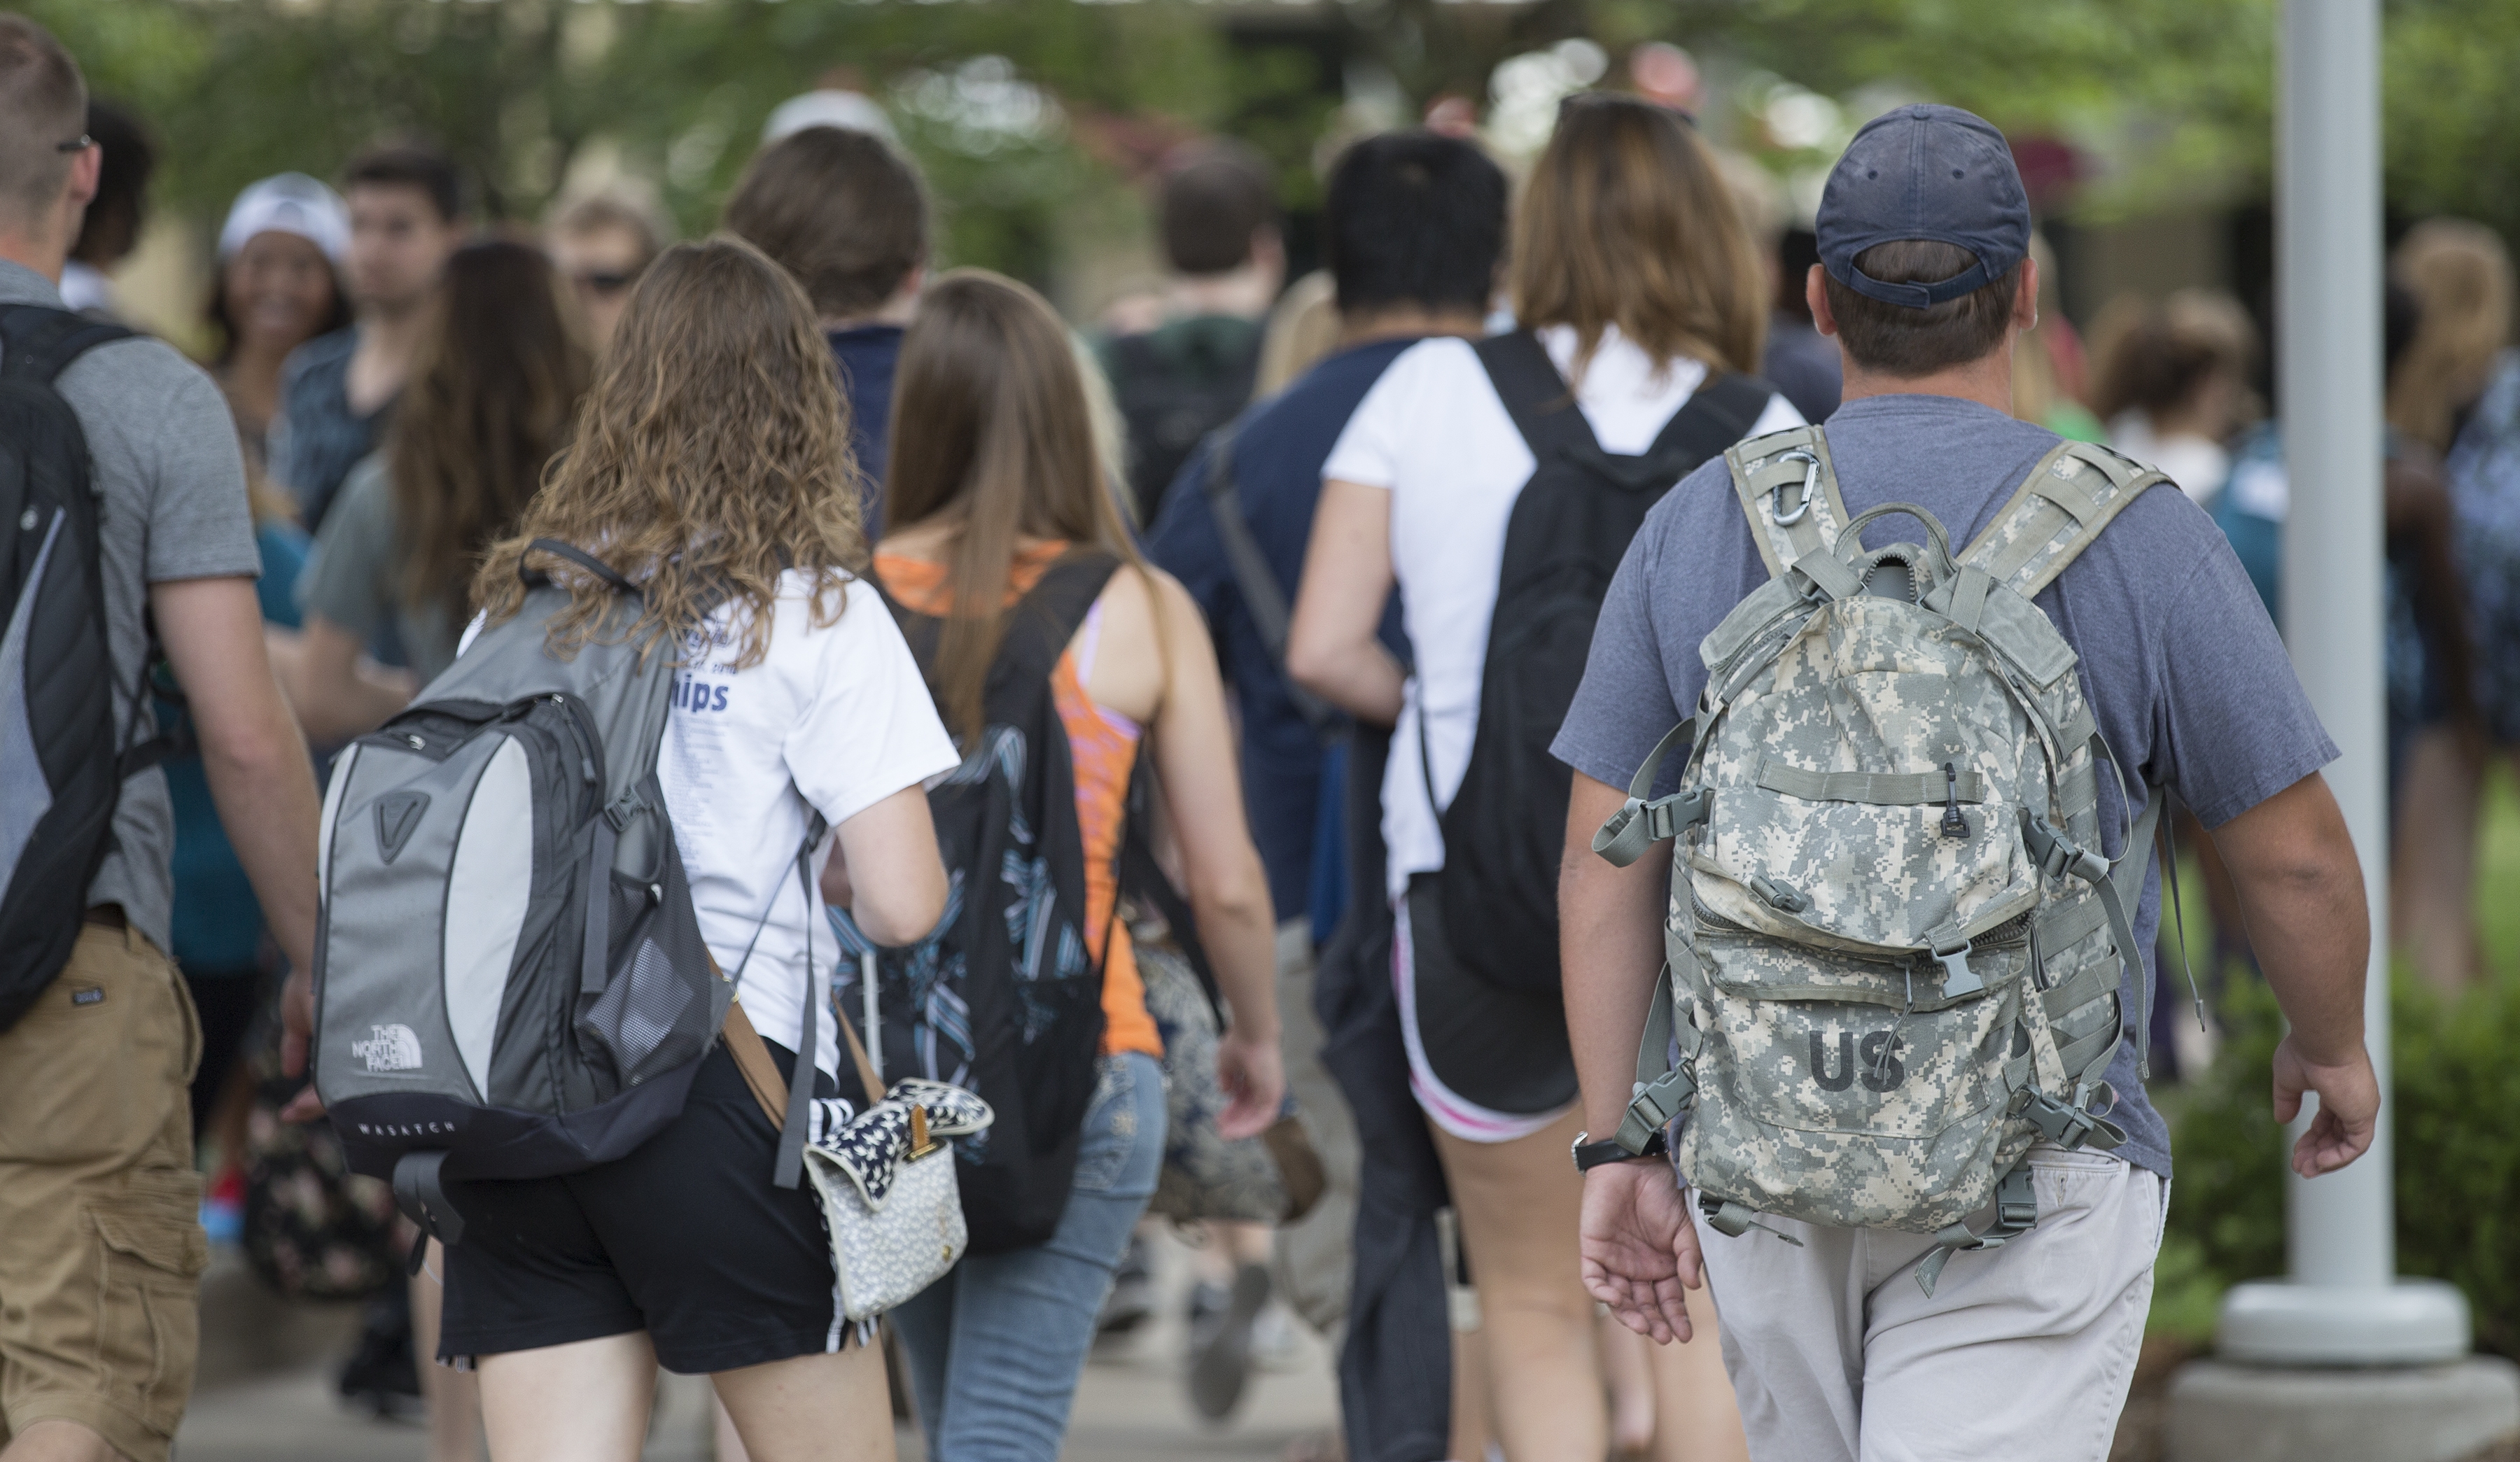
x,y
1719,413
1047,617
1788,489
38,342
1262,598
2074,493
1538,398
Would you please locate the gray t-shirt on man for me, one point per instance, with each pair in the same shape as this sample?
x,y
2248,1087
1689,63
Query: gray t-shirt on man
x,y
171,482
2182,670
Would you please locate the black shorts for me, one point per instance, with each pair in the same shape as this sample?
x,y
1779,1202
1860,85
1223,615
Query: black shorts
x,y
686,1238
1505,1050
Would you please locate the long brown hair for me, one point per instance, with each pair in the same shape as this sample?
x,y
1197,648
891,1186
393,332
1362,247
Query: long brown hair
x,y
494,384
991,436
2462,276
1626,221
712,454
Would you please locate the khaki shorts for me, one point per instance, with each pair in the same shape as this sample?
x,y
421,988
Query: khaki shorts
x,y
2023,1351
101,1245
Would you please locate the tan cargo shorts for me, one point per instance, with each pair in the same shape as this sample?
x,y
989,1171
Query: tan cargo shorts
x,y
101,1244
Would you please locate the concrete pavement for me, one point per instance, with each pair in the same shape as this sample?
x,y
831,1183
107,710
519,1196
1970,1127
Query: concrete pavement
x,y
266,1393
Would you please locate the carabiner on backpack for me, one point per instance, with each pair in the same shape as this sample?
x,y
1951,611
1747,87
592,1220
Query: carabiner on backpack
x,y
1810,489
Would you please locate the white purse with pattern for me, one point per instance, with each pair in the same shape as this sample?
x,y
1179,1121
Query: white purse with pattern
x,y
886,1179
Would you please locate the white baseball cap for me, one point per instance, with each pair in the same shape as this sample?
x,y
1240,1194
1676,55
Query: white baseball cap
x,y
853,111
288,202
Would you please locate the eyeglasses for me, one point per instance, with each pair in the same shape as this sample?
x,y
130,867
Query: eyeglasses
x,y
604,282
78,144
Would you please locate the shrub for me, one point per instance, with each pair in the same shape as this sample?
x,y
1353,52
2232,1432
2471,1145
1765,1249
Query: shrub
x,y
2456,1084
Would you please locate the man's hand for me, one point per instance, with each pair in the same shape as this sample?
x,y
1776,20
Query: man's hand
x,y
2348,1107
1253,1075
1639,1249
296,1032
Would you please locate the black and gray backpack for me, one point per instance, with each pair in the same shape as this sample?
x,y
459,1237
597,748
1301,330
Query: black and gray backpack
x,y
1570,526
1003,998
510,977
62,759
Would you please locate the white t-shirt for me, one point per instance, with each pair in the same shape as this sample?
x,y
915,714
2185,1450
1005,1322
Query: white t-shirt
x,y
2199,465
1433,432
837,713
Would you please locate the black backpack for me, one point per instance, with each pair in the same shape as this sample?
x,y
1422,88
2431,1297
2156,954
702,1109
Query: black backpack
x,y
1002,998
1174,386
63,760
1571,525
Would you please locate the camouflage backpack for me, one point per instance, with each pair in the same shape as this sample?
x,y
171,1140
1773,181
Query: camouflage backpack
x,y
1893,943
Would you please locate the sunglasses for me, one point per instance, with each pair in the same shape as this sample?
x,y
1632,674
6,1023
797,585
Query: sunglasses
x,y
78,144
605,281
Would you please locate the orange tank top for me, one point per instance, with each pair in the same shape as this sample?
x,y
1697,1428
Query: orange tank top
x,y
1103,746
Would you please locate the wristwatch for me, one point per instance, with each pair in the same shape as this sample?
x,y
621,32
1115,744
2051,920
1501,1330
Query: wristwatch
x,y
1591,1155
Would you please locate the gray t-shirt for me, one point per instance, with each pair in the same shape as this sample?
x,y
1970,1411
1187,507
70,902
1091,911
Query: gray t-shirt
x,y
355,578
171,482
2181,667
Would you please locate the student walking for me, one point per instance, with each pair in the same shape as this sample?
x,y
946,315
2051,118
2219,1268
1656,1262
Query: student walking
x,y
1863,1338
1413,225
98,1037
497,374
1217,216
275,291
601,242
708,460
407,214
847,213
994,487
1640,297
2454,393
110,230
278,286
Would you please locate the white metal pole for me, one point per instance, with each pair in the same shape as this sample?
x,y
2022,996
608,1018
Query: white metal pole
x,y
2343,1305
2328,289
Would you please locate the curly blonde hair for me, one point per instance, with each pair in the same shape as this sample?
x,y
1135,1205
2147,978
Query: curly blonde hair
x,y
712,454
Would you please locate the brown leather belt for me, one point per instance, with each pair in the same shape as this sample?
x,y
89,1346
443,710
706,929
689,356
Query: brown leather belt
x,y
107,916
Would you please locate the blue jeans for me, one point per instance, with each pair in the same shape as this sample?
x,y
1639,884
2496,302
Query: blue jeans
x,y
996,1346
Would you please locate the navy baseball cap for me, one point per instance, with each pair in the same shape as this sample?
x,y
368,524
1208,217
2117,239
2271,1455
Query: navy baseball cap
x,y
1924,172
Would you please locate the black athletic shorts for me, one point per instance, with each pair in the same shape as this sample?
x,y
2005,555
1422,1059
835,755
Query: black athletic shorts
x,y
687,1238
1505,1050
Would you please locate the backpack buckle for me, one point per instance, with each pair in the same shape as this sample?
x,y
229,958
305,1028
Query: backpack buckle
x,y
1957,977
1809,484
1782,896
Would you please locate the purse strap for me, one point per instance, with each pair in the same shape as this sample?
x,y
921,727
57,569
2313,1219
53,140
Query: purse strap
x,y
753,1058
761,1074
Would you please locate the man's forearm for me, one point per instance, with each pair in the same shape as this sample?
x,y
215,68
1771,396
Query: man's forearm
x,y
265,791
2301,893
1611,949
2312,932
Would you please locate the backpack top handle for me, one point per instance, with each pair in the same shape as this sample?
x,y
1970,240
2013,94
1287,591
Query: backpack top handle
x,y
577,556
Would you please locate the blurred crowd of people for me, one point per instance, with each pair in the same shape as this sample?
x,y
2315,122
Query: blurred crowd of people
x,y
403,375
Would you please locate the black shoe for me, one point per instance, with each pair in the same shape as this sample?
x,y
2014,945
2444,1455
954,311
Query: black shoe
x,y
1220,1357
1132,1292
382,1375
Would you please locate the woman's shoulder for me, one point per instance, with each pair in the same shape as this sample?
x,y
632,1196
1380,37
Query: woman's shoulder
x,y
364,506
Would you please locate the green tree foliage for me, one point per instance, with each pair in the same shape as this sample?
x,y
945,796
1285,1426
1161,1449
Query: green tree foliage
x,y
2181,90
515,89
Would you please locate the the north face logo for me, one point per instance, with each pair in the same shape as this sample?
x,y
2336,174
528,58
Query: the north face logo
x,y
388,1049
